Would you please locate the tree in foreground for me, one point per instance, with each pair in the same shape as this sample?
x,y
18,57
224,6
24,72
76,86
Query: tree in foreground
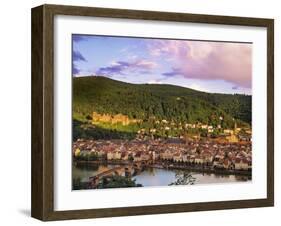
x,y
118,182
184,178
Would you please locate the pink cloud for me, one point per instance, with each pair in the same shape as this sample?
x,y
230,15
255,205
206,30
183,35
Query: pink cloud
x,y
143,63
231,62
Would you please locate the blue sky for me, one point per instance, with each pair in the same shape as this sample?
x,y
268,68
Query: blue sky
x,y
207,66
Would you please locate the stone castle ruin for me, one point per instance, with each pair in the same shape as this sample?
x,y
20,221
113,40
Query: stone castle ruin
x,y
113,119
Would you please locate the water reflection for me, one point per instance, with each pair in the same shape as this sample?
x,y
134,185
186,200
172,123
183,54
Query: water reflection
x,y
156,177
84,171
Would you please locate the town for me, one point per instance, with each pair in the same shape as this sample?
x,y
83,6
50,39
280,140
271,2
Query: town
x,y
203,155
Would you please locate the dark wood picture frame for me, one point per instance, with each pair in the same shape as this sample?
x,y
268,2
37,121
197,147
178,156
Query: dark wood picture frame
x,y
42,203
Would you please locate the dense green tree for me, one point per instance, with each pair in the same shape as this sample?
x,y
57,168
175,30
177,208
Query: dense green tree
x,y
151,102
118,182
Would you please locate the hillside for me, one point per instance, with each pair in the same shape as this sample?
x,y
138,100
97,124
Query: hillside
x,y
156,101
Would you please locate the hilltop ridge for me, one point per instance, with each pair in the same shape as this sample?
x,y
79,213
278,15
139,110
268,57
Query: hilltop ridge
x,y
142,101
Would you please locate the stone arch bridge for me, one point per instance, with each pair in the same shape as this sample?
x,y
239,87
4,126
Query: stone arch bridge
x,y
125,170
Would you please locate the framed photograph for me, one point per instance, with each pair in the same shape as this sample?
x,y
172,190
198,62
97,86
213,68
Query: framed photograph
x,y
141,112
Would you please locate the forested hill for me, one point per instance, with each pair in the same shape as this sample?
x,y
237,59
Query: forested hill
x,y
159,101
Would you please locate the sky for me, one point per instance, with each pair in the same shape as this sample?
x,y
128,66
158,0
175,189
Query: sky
x,y
216,67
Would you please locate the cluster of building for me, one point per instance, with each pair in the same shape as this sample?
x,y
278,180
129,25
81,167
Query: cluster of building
x,y
166,126
210,154
235,134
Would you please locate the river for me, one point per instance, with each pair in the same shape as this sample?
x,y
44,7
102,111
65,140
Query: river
x,y
157,177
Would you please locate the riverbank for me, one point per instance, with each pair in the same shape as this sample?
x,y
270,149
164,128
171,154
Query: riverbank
x,y
194,168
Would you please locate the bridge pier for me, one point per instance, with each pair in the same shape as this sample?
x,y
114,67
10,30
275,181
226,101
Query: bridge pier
x,y
126,171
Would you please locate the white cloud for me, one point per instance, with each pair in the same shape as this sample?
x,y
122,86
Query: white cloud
x,y
198,87
154,81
